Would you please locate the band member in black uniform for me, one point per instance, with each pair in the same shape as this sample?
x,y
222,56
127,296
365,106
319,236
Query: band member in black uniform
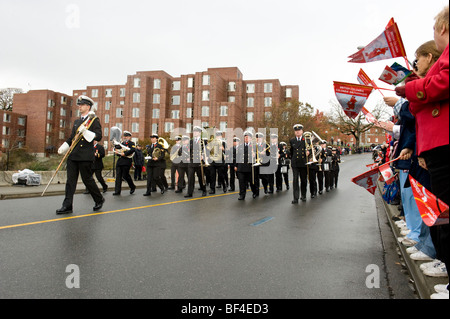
x,y
312,173
283,167
183,159
335,160
231,161
246,172
299,155
216,149
156,164
139,162
320,171
99,152
270,159
175,159
326,166
195,166
79,161
124,151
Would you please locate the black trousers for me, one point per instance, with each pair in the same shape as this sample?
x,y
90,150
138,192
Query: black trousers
x,y
123,172
216,170
312,181
182,172
232,178
267,180
246,178
302,174
154,177
74,169
137,172
279,178
98,175
192,171
438,168
320,180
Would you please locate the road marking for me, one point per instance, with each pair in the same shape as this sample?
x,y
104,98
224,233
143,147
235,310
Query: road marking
x,y
261,221
114,211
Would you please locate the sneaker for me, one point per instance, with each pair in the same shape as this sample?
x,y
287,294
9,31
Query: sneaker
x,y
440,295
420,256
412,250
438,270
429,264
405,231
409,242
441,288
399,223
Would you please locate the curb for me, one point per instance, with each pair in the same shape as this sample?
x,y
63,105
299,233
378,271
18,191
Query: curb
x,y
423,284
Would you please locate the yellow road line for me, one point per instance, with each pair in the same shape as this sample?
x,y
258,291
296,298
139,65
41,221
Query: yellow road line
x,y
113,211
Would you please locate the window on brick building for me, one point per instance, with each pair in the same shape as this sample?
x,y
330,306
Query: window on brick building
x,y
119,112
267,101
231,86
224,110
21,121
136,97
108,93
168,127
188,128
63,100
51,103
250,116
205,95
62,111
155,128
105,131
176,100
206,80
190,82
107,105
176,85
232,99
267,87
155,113
137,82
223,126
122,92
94,93
156,98
175,114
135,112
250,102
156,83
251,88
288,92
190,97
205,110
135,127
49,115
189,112
6,130
106,118
6,117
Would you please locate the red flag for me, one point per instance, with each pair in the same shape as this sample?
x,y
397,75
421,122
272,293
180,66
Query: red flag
x,y
351,97
367,180
369,116
387,45
387,174
432,210
388,75
364,79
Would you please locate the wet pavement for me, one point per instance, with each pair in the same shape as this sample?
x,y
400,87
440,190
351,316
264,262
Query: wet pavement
x,y
168,247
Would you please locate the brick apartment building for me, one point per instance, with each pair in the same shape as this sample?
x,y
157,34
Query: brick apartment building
x,y
13,130
49,117
154,102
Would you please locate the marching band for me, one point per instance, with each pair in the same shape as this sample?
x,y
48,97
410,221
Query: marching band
x,y
253,162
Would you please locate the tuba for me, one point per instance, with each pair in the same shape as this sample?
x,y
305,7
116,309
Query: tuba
x,y
157,151
215,148
119,148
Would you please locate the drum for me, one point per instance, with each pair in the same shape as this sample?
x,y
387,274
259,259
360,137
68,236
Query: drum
x,y
326,166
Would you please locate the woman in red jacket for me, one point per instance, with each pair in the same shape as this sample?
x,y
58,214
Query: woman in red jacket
x,y
429,103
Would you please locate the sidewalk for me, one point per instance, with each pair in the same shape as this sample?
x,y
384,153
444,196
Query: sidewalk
x,y
424,284
22,191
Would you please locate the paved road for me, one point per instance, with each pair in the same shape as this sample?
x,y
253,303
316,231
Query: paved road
x,y
206,247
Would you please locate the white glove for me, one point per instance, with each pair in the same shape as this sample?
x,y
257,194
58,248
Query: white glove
x,y
88,135
82,128
63,148
148,158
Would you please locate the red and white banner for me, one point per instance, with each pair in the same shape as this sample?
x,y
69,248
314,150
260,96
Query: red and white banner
x,y
351,97
387,45
388,75
364,79
432,210
367,180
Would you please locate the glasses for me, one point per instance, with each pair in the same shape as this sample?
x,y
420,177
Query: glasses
x,y
414,64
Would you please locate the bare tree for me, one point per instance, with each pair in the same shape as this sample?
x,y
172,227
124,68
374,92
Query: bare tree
x,y
358,125
6,98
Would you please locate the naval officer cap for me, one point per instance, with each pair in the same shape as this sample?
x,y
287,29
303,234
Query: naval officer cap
x,y
126,133
185,137
236,139
273,135
259,135
178,138
197,129
219,133
247,133
154,136
83,99
298,127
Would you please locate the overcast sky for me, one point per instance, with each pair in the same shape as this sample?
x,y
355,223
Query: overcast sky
x,y
65,45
